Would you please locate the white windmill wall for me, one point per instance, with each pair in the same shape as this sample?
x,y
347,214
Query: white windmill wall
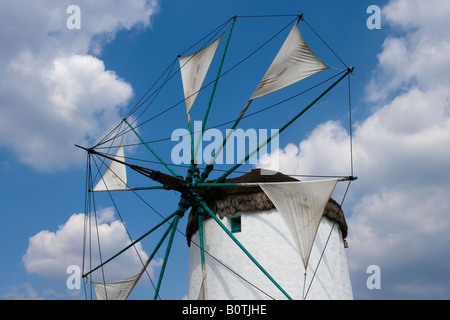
x,y
265,235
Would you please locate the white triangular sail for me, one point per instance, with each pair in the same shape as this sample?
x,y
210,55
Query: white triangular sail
x,y
295,61
193,71
117,290
115,177
301,204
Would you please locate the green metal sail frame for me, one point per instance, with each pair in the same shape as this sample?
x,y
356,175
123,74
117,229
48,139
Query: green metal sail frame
x,y
188,199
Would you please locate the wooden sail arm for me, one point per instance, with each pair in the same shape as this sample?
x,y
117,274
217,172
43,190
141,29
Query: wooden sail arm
x,y
169,182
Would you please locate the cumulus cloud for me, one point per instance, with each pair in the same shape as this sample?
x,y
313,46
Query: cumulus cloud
x,y
325,151
398,210
50,253
55,91
417,51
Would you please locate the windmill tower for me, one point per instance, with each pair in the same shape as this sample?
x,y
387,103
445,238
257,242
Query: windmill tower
x,y
223,271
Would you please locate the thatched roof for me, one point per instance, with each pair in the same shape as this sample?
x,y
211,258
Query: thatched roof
x,y
229,200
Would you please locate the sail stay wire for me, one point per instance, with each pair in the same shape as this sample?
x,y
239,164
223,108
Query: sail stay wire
x,y
348,185
326,44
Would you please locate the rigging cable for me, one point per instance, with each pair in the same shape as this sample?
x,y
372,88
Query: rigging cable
x,y
96,227
123,222
348,185
303,19
86,210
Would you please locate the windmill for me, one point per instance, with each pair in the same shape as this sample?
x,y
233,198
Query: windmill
x,y
295,213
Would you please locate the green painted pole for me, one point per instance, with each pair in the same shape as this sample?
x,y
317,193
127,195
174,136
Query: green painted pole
x,y
205,207
203,185
241,115
229,184
158,245
200,232
147,188
205,118
152,255
208,108
226,174
132,244
151,150
192,140
166,256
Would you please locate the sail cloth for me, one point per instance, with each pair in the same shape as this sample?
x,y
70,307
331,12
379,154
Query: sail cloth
x,y
115,177
295,61
301,205
193,71
117,290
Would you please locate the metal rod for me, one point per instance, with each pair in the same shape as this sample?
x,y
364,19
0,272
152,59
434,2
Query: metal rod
x,y
166,256
202,243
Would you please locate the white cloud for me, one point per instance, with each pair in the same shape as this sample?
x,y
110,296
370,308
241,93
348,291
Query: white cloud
x,y
418,53
72,101
54,92
398,209
22,292
50,253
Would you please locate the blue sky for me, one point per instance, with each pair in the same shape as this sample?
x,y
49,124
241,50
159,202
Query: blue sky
x,y
61,87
